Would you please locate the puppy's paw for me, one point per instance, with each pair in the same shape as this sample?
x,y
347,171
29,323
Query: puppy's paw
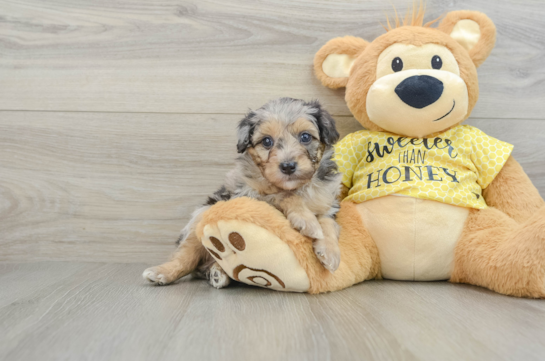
x,y
307,225
328,253
217,277
157,276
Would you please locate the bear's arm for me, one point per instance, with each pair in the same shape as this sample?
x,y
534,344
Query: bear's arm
x,y
344,192
513,193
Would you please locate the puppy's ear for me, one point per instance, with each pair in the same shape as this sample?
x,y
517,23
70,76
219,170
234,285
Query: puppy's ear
x,y
326,124
245,131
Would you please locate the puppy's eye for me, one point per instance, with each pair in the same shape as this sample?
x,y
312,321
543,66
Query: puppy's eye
x,y
305,138
436,62
267,142
397,64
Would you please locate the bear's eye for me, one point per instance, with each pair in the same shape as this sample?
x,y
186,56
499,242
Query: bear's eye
x,y
436,62
267,142
397,64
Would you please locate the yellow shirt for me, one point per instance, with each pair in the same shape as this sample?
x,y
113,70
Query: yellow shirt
x,y
450,167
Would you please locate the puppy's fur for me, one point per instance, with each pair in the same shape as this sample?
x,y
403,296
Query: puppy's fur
x,y
286,160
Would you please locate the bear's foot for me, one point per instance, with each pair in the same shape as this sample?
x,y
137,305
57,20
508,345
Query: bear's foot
x,y
255,256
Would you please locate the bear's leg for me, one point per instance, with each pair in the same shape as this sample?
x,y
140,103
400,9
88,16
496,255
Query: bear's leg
x,y
498,253
359,254
255,244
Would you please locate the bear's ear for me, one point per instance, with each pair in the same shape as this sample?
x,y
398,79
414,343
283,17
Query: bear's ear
x,y
333,61
473,30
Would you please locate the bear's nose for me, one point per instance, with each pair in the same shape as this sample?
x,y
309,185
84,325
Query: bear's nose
x,y
419,91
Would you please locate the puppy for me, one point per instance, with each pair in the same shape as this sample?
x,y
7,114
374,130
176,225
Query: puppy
x,y
286,149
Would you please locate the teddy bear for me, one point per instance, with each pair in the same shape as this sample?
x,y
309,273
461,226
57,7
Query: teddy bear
x,y
425,198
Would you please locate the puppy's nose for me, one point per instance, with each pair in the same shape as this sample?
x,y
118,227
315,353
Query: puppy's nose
x,y
419,91
288,167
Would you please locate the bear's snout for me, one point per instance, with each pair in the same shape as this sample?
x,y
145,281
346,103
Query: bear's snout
x,y
419,91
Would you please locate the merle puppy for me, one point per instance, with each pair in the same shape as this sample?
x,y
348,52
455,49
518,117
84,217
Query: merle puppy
x,y
286,149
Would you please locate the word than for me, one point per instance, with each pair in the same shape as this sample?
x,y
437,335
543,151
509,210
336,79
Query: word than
x,y
412,156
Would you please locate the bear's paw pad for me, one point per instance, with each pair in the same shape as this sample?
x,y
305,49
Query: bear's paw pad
x,y
255,256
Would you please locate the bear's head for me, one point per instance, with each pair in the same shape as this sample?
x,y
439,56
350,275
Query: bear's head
x,y
414,80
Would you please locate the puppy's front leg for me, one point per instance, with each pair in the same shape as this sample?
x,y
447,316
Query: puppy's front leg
x,y
327,248
184,261
300,217
324,230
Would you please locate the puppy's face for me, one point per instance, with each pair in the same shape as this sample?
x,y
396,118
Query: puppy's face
x,y
286,153
286,140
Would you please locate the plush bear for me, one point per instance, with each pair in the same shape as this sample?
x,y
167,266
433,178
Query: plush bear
x,y
426,198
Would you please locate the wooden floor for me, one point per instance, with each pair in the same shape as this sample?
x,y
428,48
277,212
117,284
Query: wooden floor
x,y
104,311
118,117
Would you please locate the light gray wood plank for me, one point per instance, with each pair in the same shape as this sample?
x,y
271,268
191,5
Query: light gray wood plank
x,y
118,187
222,57
109,313
36,277
69,180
